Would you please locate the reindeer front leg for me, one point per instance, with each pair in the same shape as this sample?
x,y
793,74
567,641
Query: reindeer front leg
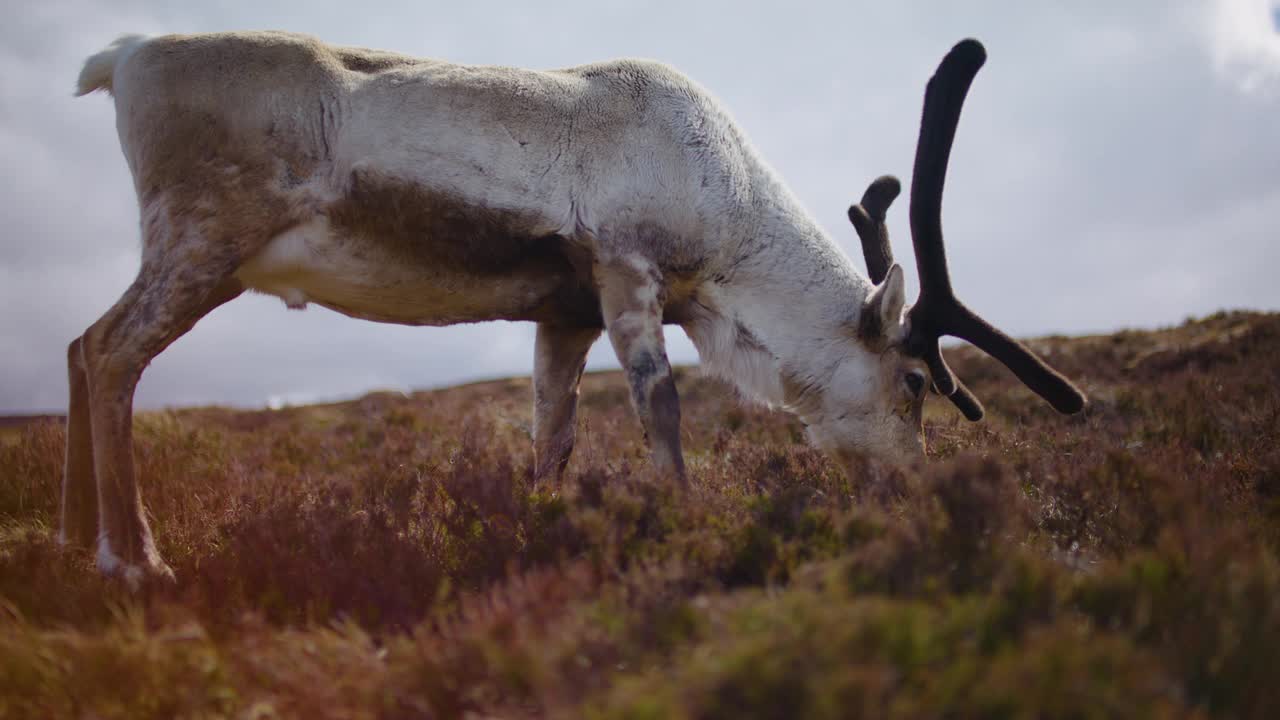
x,y
631,294
559,357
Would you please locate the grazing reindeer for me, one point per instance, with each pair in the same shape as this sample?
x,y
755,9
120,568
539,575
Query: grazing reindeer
x,y
616,196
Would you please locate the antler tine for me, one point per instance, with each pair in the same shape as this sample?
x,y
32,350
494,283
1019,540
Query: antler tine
x,y
956,391
938,312
1034,372
868,218
967,403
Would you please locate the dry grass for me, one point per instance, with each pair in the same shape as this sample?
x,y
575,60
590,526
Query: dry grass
x,y
389,557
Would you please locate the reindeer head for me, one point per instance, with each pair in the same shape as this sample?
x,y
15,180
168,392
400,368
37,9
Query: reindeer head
x,y
899,357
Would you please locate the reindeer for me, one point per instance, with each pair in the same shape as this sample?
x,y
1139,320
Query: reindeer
x,y
610,197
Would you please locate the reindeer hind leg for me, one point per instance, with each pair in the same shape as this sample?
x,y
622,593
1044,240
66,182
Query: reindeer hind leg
x,y
78,524
163,303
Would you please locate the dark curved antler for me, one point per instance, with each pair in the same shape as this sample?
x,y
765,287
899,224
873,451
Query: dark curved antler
x,y
868,218
938,312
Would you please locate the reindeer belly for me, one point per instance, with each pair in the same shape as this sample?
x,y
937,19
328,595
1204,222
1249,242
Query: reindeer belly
x,y
423,282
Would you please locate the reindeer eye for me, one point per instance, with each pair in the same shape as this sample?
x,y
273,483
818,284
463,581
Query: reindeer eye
x,y
915,382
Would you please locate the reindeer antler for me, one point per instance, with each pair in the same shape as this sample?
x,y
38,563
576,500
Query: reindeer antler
x,y
937,311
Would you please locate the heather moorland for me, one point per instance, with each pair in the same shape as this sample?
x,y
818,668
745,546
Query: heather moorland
x,y
390,556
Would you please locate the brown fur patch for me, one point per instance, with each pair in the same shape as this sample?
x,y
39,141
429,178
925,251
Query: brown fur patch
x,y
441,231
436,227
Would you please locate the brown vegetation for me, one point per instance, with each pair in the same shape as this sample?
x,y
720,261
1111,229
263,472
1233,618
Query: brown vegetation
x,y
390,557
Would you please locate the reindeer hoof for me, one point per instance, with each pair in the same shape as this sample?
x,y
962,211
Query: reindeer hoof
x,y
137,576
152,571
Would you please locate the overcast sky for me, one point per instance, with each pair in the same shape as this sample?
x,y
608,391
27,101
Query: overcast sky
x,y
1118,165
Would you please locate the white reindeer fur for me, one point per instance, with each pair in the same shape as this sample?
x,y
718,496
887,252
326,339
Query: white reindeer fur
x,y
593,153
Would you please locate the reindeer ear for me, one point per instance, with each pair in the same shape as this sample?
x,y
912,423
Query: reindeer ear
x,y
882,310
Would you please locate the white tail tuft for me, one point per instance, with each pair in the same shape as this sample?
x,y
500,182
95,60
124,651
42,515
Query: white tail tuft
x,y
99,69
